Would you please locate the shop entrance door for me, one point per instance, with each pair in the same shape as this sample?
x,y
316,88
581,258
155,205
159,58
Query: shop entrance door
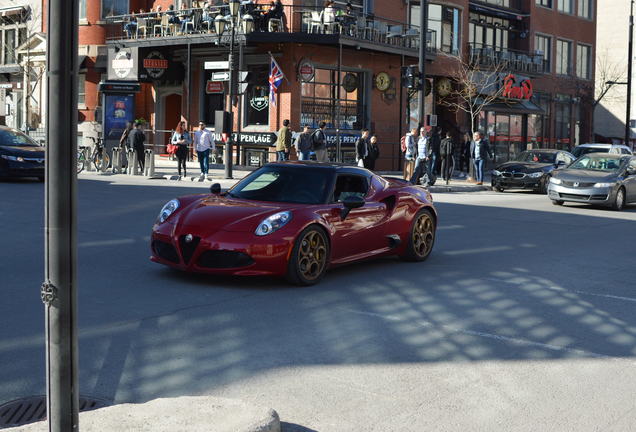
x,y
502,138
517,143
171,114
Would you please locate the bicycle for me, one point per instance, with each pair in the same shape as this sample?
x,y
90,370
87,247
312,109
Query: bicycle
x,y
81,158
99,156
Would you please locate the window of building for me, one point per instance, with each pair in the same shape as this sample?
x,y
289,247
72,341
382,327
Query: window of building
x,y
544,3
445,22
488,31
9,46
81,89
563,56
319,100
585,9
257,97
82,9
566,6
563,114
504,3
583,61
543,44
114,8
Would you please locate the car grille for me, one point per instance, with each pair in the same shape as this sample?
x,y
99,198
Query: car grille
x,y
165,251
222,259
188,248
513,175
579,184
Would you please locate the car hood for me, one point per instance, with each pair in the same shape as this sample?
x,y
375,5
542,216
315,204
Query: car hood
x,y
586,176
523,167
26,151
213,213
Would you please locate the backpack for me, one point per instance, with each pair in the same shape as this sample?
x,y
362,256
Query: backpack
x,y
315,140
403,144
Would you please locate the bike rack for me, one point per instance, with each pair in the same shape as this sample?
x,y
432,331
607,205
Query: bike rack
x,y
116,161
88,162
133,166
149,166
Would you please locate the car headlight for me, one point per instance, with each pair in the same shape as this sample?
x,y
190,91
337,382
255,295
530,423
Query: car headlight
x,y
600,185
535,174
496,173
13,158
273,223
170,207
555,181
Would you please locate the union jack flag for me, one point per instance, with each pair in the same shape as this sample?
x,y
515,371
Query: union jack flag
x,y
276,76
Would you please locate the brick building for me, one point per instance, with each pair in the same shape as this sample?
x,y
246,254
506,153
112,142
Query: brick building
x,y
347,72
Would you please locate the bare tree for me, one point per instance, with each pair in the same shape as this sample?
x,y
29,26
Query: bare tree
x,y
477,83
607,74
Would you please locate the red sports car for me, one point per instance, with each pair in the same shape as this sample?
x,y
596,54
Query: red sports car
x,y
295,219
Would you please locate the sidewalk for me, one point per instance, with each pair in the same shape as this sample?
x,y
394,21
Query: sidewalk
x,y
186,413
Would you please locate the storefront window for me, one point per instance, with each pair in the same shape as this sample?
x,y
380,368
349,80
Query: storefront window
x,y
319,100
257,97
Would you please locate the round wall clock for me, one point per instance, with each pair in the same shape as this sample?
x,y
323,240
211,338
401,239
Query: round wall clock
x,y
444,87
382,81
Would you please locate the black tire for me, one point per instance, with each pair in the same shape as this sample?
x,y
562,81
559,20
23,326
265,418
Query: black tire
x,y
41,178
543,185
309,258
421,238
557,202
97,159
619,199
498,188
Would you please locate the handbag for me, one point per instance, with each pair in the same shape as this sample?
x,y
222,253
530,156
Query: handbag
x,y
172,149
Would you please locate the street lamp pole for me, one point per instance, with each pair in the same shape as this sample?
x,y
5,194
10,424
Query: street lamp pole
x,y
629,73
422,58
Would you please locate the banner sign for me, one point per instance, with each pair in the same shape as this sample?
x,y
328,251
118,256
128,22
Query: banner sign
x,y
251,138
119,110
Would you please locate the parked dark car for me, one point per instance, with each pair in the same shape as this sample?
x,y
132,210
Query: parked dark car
x,y
596,178
531,169
20,156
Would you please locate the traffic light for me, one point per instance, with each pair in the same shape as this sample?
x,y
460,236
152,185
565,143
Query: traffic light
x,y
410,78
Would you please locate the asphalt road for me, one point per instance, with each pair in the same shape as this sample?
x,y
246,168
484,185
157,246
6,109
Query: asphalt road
x,y
521,320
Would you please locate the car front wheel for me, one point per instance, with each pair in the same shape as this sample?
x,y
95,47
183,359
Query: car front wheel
x,y
557,202
309,258
619,200
421,237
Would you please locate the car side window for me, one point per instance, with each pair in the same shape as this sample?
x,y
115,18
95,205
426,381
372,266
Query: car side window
x,y
350,185
625,151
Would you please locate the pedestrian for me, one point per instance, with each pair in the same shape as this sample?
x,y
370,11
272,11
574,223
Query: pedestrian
x,y
123,144
435,143
374,153
203,144
362,147
283,143
410,151
136,139
182,139
303,144
464,153
423,157
479,152
446,152
319,142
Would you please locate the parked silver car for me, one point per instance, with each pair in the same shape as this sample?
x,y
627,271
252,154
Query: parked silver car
x,y
582,149
596,178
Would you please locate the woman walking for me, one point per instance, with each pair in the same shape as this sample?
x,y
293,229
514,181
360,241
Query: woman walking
x,y
182,139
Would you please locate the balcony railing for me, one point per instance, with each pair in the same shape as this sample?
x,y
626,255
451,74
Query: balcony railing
x,y
514,60
293,20
504,4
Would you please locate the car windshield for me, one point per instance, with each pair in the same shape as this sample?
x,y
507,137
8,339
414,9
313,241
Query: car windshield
x,y
535,156
15,139
580,151
289,184
596,163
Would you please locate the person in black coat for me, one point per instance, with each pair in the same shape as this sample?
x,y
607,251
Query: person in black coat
x,y
362,148
136,139
373,153
434,151
446,152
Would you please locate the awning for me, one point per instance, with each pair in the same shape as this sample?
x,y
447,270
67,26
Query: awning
x,y
494,11
521,107
10,11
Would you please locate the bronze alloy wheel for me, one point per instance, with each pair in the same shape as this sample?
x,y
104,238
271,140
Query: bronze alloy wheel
x,y
312,255
422,237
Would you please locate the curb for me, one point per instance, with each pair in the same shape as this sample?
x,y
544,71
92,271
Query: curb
x,y
186,413
438,189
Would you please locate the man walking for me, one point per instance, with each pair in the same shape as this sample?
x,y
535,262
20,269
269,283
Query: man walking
x,y
410,150
319,140
283,143
479,152
362,147
203,144
423,151
434,148
446,152
303,144
136,138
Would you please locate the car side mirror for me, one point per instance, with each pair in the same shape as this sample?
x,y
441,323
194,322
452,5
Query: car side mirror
x,y
560,164
350,203
631,171
215,189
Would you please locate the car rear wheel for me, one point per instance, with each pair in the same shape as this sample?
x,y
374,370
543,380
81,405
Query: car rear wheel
x,y
543,185
421,237
309,257
557,202
498,188
619,200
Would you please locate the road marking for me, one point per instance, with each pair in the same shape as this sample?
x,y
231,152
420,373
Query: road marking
x,y
116,242
513,340
486,249
450,227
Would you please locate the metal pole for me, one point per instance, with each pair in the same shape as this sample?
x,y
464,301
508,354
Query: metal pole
x,y
189,90
239,110
422,58
338,144
629,73
399,167
59,287
232,85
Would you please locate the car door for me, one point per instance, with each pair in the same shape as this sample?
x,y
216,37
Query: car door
x,y
630,181
361,231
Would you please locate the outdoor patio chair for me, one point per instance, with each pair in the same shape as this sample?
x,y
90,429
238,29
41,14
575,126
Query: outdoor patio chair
x,y
394,34
141,26
315,22
275,25
195,23
380,31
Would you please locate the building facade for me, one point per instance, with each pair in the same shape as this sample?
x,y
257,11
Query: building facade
x,y
345,71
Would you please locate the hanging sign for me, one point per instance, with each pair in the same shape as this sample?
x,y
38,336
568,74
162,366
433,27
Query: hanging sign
x,y
155,64
259,103
513,91
214,87
306,70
